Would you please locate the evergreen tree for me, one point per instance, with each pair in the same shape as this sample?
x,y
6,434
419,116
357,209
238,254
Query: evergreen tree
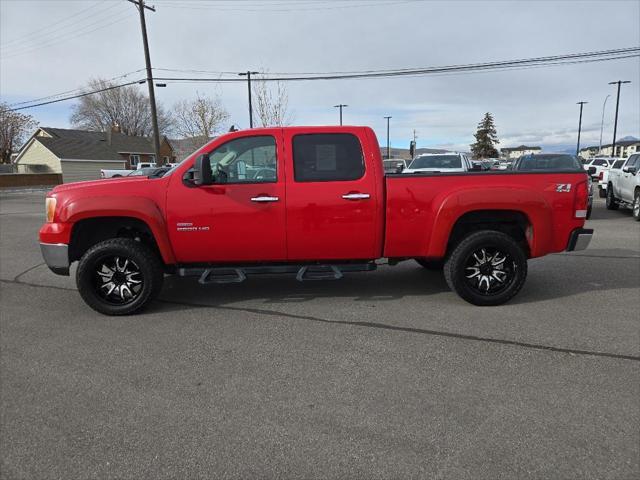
x,y
486,139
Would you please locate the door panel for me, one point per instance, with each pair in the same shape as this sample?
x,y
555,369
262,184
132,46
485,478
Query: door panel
x,y
239,220
331,198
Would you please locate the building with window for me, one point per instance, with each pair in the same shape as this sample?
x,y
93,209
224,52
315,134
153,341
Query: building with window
x,y
624,148
80,155
517,152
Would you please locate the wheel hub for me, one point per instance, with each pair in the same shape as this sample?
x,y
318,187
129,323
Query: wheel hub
x,y
489,271
118,280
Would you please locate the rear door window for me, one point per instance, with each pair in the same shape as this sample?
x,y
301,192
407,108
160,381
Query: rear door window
x,y
327,157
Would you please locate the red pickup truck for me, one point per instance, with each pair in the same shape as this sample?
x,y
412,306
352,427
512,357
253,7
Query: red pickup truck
x,y
311,201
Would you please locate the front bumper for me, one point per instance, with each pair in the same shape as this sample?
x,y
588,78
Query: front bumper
x,y
579,239
56,256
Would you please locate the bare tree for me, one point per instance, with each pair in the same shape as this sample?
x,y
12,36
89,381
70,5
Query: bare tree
x,y
199,118
14,129
271,103
126,106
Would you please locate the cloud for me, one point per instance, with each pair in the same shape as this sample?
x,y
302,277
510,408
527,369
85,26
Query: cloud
x,y
532,105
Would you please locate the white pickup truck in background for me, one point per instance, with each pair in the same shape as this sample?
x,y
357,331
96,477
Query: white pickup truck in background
x,y
123,172
603,178
623,186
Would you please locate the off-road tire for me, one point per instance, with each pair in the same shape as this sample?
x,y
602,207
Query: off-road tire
x,y
635,208
456,266
146,260
611,202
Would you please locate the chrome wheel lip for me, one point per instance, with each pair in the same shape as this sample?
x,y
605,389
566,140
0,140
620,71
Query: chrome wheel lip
x,y
118,280
489,271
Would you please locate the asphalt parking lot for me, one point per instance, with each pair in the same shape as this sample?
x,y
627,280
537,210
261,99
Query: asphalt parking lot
x,y
379,375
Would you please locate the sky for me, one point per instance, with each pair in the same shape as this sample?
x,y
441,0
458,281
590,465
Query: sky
x,y
65,43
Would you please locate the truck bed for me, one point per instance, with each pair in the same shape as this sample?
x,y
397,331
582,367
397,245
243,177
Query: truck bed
x,y
416,203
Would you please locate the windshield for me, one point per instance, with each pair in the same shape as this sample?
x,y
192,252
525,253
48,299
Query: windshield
x,y
437,161
549,162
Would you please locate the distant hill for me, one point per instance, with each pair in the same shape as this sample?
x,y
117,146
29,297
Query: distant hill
x,y
628,138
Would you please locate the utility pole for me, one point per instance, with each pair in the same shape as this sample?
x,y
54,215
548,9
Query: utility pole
x,y
152,96
340,106
604,104
615,124
579,127
248,75
388,148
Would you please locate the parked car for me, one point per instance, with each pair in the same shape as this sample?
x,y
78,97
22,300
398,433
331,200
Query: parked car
x,y
603,177
150,172
106,173
329,210
394,165
623,187
599,163
441,162
551,162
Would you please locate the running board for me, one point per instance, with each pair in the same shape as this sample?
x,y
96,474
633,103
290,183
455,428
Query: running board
x,y
222,275
318,272
303,273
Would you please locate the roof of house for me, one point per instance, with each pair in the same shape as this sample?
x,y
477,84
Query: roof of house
x,y
520,148
183,147
85,145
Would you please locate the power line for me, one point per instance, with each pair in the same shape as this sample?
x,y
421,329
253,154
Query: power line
x,y
69,35
46,30
292,7
85,94
68,92
558,60
587,57
418,70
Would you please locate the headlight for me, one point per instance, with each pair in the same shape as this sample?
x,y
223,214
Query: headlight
x,y
50,208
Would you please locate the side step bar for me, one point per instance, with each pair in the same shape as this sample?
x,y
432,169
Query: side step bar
x,y
303,273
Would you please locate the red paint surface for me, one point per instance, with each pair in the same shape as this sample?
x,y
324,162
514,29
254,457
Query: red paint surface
x,y
405,216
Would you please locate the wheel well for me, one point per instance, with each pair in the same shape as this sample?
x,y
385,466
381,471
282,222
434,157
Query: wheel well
x,y
513,223
87,233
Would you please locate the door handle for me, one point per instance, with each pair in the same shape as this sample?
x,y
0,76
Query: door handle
x,y
356,196
264,199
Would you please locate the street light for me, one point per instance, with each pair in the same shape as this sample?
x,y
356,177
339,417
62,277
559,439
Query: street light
x,y
388,148
248,75
615,123
604,104
579,126
340,106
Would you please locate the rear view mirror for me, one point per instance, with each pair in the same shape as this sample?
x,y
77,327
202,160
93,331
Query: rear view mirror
x,y
631,170
202,174
477,167
591,170
400,167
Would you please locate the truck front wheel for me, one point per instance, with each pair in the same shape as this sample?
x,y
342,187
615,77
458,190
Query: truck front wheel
x,y
119,276
486,268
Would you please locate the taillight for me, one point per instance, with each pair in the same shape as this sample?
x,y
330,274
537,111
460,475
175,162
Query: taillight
x,y
581,201
50,208
601,176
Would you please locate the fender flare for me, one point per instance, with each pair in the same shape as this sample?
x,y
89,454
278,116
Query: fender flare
x,y
140,208
451,206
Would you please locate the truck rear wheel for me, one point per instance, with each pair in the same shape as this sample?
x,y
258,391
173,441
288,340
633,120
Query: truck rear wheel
x,y
611,202
636,206
119,276
486,268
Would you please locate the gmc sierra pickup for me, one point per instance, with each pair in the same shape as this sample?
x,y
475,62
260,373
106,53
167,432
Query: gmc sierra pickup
x,y
311,201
